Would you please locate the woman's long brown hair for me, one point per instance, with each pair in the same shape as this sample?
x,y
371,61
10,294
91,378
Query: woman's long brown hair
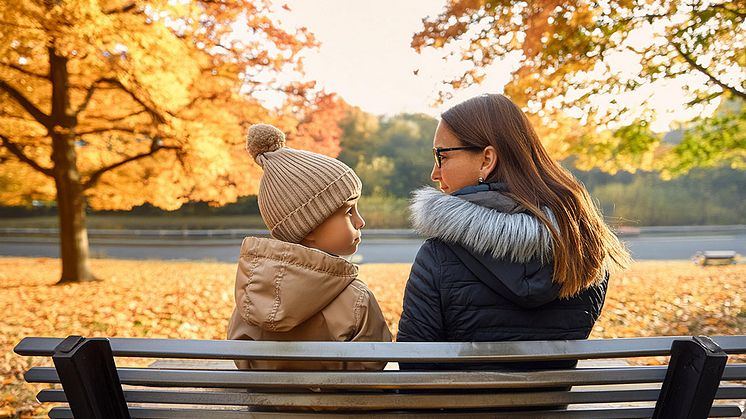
x,y
584,247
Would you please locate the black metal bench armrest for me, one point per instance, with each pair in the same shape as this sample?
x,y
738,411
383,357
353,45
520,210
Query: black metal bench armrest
x,y
692,379
89,378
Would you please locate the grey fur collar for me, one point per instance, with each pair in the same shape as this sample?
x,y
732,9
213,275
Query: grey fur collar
x,y
517,237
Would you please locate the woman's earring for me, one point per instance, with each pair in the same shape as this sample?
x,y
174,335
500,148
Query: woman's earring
x,y
480,180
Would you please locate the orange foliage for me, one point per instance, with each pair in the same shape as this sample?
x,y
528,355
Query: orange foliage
x,y
158,97
193,300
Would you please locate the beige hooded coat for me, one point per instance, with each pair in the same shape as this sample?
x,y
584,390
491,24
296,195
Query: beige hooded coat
x,y
287,291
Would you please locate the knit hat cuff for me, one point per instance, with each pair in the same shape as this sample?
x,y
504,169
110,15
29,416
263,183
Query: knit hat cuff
x,y
295,226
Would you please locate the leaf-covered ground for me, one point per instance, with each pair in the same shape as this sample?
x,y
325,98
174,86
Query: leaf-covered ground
x,y
194,299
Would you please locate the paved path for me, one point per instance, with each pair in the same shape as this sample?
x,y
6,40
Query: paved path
x,y
372,250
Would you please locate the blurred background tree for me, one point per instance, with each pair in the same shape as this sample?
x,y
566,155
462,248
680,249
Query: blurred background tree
x,y
392,152
577,59
119,103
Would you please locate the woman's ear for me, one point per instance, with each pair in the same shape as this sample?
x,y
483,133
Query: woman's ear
x,y
489,161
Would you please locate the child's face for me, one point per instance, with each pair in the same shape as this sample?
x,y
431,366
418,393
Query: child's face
x,y
340,233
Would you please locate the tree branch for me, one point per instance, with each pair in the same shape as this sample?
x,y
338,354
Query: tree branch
x,y
20,26
199,98
21,117
95,176
105,129
92,88
88,96
40,116
119,118
26,72
704,71
151,110
123,9
729,10
15,150
649,17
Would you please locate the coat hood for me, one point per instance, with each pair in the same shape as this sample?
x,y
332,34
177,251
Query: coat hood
x,y
508,249
483,220
280,285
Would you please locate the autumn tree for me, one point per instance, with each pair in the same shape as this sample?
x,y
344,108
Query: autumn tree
x,y
112,104
578,58
359,134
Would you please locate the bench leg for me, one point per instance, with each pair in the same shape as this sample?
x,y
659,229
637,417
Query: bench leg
x,y
89,378
692,379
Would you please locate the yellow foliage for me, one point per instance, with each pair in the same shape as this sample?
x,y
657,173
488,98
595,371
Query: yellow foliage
x,y
159,85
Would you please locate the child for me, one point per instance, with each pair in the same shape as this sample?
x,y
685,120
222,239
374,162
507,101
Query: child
x,y
295,286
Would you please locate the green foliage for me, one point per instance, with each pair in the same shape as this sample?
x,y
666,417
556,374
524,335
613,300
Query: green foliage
x,y
713,141
628,148
358,133
391,155
376,174
385,212
701,197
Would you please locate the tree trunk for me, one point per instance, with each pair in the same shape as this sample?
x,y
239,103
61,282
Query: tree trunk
x,y
70,197
71,210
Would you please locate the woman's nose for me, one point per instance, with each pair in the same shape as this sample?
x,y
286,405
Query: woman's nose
x,y
435,174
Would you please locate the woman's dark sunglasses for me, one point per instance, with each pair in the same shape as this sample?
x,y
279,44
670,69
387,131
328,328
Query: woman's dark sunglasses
x,y
438,150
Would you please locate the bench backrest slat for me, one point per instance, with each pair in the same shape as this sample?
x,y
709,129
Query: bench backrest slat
x,y
384,351
384,380
378,400
622,412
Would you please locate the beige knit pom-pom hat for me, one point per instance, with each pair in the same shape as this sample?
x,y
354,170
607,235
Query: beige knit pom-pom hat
x,y
299,189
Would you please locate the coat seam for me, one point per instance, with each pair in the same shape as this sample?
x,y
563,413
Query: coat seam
x,y
271,322
356,309
248,304
288,262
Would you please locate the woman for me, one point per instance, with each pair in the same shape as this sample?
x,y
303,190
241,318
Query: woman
x,y
516,250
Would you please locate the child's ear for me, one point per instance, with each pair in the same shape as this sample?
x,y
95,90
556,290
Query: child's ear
x,y
309,239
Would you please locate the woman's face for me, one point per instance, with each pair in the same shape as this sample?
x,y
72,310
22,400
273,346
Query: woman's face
x,y
458,168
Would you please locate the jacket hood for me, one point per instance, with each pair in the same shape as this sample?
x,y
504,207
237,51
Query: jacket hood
x,y
279,285
484,221
509,250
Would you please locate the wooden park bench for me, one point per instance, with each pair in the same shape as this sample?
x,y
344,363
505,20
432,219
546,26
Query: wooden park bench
x,y
94,387
716,257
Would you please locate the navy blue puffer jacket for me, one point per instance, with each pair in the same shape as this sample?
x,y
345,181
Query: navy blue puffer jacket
x,y
486,275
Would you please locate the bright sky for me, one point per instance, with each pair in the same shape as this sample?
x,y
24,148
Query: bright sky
x,y
365,54
366,58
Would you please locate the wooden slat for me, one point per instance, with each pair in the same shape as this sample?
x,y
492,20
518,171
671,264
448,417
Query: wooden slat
x,y
373,401
734,372
385,351
627,412
373,380
386,379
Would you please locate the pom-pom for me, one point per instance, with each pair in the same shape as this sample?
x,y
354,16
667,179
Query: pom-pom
x,y
264,138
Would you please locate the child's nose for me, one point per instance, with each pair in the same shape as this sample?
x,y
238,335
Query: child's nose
x,y
360,222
